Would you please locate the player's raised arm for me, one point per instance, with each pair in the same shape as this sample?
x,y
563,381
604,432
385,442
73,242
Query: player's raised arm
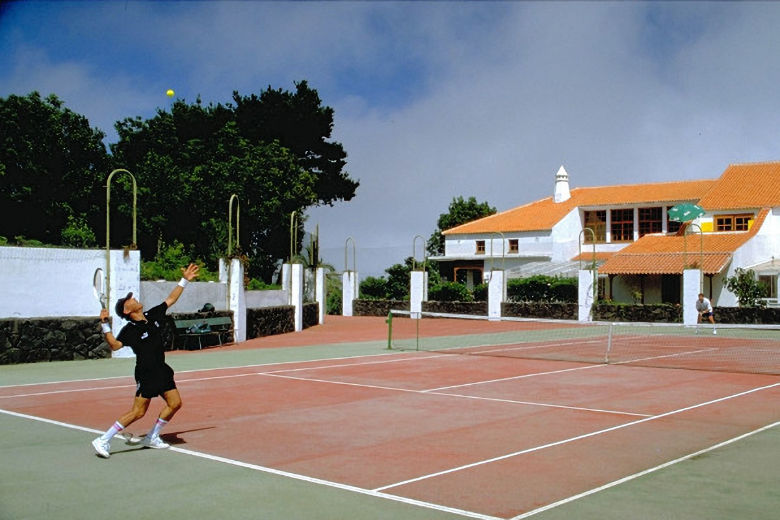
x,y
114,343
187,275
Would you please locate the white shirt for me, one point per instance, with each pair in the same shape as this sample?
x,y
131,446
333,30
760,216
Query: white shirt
x,y
703,305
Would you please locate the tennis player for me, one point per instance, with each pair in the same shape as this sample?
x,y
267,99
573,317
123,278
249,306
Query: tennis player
x,y
704,307
153,376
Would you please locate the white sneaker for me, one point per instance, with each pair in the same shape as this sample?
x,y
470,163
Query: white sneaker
x,y
102,448
714,331
154,442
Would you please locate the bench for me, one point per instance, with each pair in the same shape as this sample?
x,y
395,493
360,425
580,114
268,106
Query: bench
x,y
219,327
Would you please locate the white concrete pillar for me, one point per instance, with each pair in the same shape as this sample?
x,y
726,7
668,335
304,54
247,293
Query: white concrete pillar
x,y
286,282
349,291
496,294
585,298
223,271
691,289
237,299
296,292
418,292
320,293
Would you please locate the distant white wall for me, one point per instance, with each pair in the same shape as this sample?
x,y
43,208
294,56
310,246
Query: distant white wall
x,y
191,300
49,282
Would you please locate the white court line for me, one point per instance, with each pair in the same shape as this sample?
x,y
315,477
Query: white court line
x,y
512,378
236,367
572,439
445,394
272,471
641,473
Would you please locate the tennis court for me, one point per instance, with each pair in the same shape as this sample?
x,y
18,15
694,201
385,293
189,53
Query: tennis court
x,y
329,423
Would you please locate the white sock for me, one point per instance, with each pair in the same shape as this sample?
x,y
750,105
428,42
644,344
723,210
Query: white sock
x,y
158,425
116,428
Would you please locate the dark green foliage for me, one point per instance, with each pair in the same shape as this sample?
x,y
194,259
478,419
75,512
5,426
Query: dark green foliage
x,y
168,263
450,292
460,211
373,288
747,288
480,292
541,288
52,169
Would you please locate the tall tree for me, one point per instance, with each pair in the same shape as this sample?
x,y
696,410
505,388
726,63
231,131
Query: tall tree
x,y
190,161
52,167
460,211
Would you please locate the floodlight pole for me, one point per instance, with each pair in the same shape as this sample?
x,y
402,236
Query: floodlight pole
x,y
414,252
230,223
133,245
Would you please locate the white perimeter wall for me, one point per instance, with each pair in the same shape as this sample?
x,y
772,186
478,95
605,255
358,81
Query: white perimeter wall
x,y
50,282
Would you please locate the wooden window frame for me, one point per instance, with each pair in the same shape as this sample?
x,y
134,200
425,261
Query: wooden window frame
x,y
600,230
480,247
648,223
514,245
736,222
621,232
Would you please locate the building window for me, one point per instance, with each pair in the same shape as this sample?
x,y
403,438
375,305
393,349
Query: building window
x,y
649,220
671,226
480,247
514,245
597,221
732,222
770,282
622,225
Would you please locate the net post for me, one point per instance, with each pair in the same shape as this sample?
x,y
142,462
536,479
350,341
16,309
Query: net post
x,y
389,322
609,344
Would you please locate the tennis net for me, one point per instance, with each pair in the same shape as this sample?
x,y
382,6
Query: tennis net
x,y
723,348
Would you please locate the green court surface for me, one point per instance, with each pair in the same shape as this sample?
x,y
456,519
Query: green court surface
x,y
49,470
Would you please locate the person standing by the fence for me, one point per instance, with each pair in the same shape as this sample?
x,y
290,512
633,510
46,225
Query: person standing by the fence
x,y
704,307
153,376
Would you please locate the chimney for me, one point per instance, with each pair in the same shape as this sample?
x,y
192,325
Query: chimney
x,y
561,186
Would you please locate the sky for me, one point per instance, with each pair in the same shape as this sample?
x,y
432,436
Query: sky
x,y
434,100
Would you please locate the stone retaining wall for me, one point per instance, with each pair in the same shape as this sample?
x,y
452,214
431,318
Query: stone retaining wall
x,y
28,340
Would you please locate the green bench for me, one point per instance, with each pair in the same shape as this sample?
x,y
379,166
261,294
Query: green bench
x,y
220,327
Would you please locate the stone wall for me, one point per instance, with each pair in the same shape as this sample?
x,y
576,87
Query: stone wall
x,y
311,314
650,312
268,321
28,340
553,311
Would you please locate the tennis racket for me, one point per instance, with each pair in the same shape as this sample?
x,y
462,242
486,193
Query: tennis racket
x,y
99,287
130,439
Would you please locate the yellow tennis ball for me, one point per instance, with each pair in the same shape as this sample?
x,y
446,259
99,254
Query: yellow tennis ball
x,y
170,92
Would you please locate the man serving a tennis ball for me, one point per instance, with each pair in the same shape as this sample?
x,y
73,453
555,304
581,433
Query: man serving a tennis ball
x,y
153,376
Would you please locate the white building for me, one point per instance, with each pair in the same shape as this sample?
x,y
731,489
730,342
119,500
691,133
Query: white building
x,y
625,229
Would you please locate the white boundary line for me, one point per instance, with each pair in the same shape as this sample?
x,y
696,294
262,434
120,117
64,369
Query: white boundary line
x,y
573,439
272,471
642,473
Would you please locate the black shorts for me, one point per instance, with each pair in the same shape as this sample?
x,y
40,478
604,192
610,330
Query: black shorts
x,y
151,387
706,314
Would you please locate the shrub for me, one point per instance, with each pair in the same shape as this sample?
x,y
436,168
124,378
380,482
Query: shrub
x,y
480,292
373,288
77,233
541,288
450,292
168,263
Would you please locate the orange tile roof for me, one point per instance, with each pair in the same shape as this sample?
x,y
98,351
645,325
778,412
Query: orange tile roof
x,y
544,214
663,254
745,186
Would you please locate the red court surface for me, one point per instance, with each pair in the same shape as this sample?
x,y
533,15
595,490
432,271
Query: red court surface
x,y
486,437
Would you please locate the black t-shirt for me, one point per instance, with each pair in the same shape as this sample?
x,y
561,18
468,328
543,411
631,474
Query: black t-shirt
x,y
145,338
